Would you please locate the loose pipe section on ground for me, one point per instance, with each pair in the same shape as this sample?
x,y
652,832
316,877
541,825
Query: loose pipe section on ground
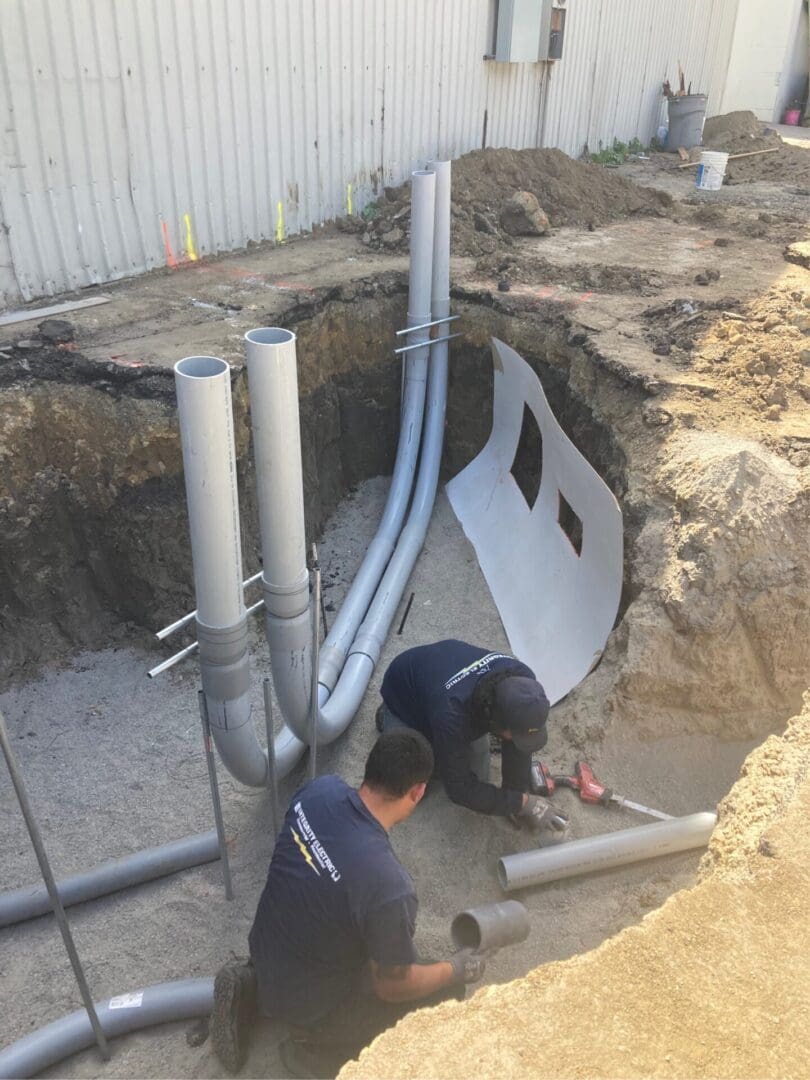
x,y
160,1004
603,852
27,903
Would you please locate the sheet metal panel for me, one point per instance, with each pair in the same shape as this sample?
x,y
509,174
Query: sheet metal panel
x,y
617,54
141,133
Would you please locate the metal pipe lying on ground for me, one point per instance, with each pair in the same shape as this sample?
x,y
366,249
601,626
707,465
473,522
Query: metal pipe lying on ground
x,y
29,902
159,1004
605,851
493,926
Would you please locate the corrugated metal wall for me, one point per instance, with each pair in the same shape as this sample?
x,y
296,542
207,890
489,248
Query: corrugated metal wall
x,y
617,54
137,133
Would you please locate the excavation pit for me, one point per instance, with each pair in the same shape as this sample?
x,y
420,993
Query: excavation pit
x,y
114,761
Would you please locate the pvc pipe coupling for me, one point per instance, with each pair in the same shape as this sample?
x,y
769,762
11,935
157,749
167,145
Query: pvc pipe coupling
x,y
491,927
224,665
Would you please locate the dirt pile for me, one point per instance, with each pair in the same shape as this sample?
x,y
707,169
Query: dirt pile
x,y
668,997
742,133
527,266
569,192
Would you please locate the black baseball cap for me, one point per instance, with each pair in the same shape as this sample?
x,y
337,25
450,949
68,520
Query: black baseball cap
x,y
521,707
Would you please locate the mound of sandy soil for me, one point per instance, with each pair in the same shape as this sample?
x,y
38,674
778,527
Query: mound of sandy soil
x,y
712,984
741,133
570,192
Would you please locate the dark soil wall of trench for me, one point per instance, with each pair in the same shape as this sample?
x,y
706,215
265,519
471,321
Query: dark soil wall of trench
x,y
93,526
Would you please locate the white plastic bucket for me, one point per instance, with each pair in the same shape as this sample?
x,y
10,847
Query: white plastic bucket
x,y
711,170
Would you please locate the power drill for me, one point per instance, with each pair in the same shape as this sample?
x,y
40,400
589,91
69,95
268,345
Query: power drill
x,y
583,781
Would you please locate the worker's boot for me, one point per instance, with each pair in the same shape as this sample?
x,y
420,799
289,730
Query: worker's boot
x,y
234,1013
306,1060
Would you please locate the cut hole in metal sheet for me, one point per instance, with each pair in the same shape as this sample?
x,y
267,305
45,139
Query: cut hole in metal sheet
x,y
570,523
527,467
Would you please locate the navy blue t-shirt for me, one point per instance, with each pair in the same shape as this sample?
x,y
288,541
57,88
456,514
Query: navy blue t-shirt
x,y
336,896
430,688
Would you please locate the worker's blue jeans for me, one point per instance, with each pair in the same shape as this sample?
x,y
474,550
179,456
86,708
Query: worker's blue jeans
x,y
479,748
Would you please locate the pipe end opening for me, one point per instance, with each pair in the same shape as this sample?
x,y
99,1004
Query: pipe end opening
x,y
201,367
465,931
269,335
503,877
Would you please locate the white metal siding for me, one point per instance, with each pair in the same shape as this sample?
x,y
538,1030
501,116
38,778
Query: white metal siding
x,y
616,56
136,133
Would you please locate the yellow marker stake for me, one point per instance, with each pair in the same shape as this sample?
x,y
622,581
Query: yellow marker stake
x,y
349,199
280,223
192,254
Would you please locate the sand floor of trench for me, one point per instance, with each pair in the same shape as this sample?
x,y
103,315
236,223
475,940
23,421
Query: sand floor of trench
x,y
114,763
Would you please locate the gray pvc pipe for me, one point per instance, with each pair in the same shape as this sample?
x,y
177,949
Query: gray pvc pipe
x,y
603,852
160,1004
28,902
493,926
377,623
209,464
335,647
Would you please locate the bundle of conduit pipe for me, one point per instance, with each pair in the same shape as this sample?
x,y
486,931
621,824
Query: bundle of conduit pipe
x,y
352,648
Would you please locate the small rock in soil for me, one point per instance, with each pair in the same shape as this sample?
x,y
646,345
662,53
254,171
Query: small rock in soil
x,y
522,215
56,330
198,1032
722,241
662,347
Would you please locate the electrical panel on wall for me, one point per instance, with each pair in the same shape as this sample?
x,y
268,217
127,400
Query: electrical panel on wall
x,y
552,30
529,30
518,31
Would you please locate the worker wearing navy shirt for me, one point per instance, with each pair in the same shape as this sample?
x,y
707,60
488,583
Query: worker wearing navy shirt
x,y
331,946
458,695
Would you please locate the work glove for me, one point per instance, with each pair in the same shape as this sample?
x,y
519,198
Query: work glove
x,y
540,816
468,966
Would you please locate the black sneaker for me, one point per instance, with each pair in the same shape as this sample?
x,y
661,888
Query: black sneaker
x,y
310,1060
234,1013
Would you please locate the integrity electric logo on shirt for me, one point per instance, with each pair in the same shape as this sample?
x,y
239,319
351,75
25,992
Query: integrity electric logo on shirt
x,y
477,668
310,846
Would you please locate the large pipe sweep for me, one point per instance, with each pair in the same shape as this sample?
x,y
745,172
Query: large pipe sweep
x,y
374,629
160,1004
209,461
335,648
603,852
29,902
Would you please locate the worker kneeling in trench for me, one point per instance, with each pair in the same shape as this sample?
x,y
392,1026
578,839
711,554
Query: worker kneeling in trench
x,y
458,695
331,948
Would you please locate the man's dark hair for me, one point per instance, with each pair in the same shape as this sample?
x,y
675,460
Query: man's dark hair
x,y
398,760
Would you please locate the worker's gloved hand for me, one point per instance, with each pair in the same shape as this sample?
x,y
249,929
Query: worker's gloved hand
x,y
468,966
540,815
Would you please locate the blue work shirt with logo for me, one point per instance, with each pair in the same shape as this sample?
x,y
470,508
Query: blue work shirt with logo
x,y
430,688
336,897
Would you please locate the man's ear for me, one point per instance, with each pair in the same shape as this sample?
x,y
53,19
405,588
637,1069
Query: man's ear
x,y
416,793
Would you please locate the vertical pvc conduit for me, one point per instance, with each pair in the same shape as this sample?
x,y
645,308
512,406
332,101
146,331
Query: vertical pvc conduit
x,y
353,609
365,651
209,460
273,384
